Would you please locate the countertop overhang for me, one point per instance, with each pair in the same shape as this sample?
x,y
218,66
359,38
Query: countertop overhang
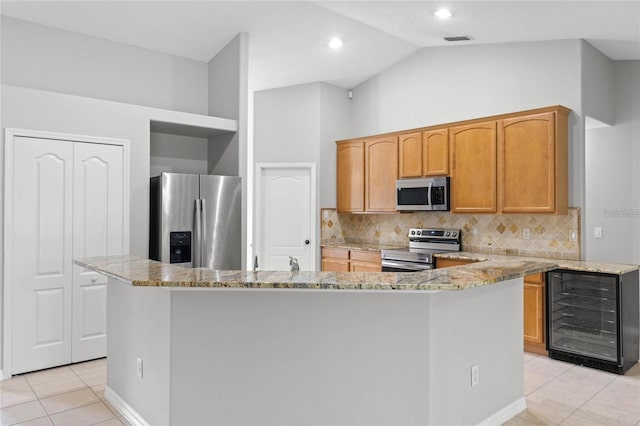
x,y
137,271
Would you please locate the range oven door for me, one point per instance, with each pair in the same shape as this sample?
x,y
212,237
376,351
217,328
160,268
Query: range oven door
x,y
400,266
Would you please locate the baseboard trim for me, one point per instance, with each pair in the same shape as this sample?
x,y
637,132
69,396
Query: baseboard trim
x,y
125,409
506,413
2,375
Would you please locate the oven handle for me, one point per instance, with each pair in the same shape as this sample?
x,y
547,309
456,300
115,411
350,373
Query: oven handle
x,y
406,265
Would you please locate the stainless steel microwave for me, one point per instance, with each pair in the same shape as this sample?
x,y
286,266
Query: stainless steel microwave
x,y
423,194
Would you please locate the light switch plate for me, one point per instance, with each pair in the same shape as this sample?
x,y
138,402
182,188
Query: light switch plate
x,y
597,232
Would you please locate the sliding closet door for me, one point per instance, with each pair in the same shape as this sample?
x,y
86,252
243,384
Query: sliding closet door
x,y
41,249
98,218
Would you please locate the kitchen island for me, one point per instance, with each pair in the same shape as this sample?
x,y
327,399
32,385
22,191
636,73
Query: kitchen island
x,y
197,346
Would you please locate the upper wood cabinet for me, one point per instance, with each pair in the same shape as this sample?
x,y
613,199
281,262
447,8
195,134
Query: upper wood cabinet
x,y
435,152
423,154
532,163
366,175
381,173
511,163
473,168
350,177
410,155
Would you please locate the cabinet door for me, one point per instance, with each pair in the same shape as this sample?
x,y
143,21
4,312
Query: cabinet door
x,y
473,168
330,264
40,248
410,155
435,153
533,313
98,218
350,177
357,266
527,164
381,173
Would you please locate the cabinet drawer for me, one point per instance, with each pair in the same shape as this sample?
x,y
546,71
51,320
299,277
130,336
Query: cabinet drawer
x,y
335,253
365,256
535,278
445,262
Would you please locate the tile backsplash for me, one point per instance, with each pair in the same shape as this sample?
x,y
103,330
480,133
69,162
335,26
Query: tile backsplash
x,y
494,234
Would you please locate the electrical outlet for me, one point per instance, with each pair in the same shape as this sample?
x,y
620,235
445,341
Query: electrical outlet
x,y
140,367
597,232
573,235
526,233
475,375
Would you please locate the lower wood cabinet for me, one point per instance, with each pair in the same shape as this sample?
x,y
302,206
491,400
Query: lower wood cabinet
x,y
534,314
344,260
445,263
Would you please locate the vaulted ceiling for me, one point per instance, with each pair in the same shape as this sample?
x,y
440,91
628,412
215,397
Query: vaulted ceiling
x,y
289,39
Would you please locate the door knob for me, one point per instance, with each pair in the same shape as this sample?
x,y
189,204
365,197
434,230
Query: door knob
x,y
307,242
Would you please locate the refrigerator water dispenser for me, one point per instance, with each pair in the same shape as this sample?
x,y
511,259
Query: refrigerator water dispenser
x,y
180,247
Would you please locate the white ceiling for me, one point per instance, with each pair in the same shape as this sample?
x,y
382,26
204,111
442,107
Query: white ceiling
x,y
288,39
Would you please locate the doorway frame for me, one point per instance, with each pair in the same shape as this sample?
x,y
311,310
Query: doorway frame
x,y
7,287
257,223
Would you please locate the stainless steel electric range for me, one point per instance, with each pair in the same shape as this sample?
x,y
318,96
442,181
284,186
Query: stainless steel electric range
x,y
423,244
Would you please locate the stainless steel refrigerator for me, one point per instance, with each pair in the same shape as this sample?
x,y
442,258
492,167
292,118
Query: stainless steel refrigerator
x,y
195,220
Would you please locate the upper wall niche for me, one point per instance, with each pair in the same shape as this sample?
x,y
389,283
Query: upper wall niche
x,y
182,144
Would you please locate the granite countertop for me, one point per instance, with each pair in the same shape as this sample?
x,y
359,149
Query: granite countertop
x,y
573,265
144,272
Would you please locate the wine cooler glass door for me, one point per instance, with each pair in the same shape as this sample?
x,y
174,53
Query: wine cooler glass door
x,y
584,318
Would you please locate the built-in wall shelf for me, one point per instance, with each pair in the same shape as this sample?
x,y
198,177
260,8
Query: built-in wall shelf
x,y
193,125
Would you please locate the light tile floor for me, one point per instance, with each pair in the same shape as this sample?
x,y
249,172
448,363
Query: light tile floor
x,y
561,393
69,395
556,393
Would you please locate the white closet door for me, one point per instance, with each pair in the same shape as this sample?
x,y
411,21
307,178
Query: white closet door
x,y
97,231
41,253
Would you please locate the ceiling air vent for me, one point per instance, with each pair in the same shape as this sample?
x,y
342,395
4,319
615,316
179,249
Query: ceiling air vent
x,y
458,38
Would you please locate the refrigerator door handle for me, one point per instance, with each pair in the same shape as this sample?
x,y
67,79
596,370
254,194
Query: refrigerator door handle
x,y
203,230
197,245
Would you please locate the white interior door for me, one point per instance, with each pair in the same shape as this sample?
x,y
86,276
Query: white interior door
x,y
98,219
41,251
285,212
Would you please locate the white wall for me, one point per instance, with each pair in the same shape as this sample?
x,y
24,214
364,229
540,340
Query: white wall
x,y
598,99
51,59
613,178
301,124
440,85
228,97
177,154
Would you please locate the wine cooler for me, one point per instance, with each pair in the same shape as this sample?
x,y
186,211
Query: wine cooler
x,y
593,319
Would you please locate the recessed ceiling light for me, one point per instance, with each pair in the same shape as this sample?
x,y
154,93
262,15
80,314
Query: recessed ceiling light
x,y
335,43
443,13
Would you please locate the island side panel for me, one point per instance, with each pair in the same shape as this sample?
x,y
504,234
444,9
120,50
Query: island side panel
x,y
299,357
480,326
138,327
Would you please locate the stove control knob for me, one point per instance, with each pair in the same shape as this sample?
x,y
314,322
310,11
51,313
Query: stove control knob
x,y
447,233
413,232
454,234
418,232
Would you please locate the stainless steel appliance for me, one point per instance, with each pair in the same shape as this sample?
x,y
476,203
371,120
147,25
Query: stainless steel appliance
x,y
195,220
593,319
423,194
423,244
